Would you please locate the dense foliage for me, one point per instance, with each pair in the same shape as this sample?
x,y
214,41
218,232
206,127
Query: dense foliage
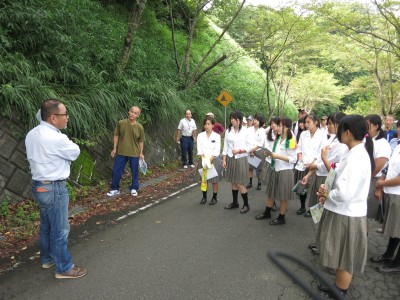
x,y
70,50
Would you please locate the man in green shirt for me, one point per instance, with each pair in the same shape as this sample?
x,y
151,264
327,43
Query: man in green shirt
x,y
128,147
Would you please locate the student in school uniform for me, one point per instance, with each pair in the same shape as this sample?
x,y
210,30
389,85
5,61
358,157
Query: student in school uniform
x,y
382,153
267,172
283,158
342,233
309,149
390,183
209,148
234,160
331,154
258,140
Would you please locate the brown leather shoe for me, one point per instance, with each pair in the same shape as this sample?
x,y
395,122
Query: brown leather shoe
x,y
75,272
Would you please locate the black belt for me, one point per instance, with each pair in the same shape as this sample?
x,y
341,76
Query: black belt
x,y
187,136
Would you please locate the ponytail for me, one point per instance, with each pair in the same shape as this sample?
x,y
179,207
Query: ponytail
x,y
369,146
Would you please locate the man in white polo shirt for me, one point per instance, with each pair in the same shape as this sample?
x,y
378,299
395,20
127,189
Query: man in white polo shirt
x,y
186,136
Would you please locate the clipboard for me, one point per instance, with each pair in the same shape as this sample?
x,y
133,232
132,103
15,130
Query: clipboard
x,y
254,161
211,173
266,151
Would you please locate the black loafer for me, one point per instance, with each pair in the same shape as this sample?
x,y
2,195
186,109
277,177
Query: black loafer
x,y
388,270
301,211
249,186
213,201
263,216
380,259
259,186
203,201
313,245
277,222
315,251
307,214
232,205
244,209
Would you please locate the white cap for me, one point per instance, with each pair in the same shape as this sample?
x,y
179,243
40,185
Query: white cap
x,y
210,114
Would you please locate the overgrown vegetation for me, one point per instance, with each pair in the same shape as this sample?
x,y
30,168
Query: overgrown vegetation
x,y
70,50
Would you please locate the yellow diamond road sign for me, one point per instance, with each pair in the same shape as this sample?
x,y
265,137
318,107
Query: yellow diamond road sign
x,y
224,98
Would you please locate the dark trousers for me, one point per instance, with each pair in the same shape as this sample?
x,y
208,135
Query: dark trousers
x,y
187,145
119,167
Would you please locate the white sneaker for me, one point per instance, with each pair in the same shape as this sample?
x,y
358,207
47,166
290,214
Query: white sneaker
x,y
192,166
133,192
185,167
113,193
47,265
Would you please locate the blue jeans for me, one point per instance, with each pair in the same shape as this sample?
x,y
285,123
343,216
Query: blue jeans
x,y
187,145
53,202
119,167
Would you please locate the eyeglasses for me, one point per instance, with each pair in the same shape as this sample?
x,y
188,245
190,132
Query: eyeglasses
x,y
65,114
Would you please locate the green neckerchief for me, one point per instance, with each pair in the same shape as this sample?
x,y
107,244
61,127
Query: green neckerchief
x,y
287,146
273,150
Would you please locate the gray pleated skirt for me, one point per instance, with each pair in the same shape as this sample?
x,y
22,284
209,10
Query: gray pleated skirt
x,y
266,174
237,170
298,175
315,183
218,167
392,216
261,156
372,202
281,184
342,242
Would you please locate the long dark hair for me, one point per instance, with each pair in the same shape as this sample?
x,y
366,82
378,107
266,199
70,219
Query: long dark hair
x,y
300,130
260,119
358,127
285,121
269,134
237,115
335,118
376,120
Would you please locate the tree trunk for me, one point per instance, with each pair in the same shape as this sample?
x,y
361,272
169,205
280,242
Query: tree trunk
x,y
132,27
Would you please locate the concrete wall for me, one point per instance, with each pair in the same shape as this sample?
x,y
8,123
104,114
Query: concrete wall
x,y
15,178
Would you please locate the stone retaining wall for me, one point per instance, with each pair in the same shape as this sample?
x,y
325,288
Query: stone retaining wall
x,y
15,178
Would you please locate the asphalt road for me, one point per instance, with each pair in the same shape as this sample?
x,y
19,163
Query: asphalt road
x,y
179,249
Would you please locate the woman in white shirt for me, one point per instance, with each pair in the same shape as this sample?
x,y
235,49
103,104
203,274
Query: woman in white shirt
x,y
342,233
382,153
209,148
391,187
234,160
258,139
308,151
331,153
283,158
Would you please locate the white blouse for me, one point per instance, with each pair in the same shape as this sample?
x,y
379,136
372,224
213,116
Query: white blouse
x,y
351,185
235,141
258,137
381,149
393,171
209,146
269,145
334,155
289,153
310,147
